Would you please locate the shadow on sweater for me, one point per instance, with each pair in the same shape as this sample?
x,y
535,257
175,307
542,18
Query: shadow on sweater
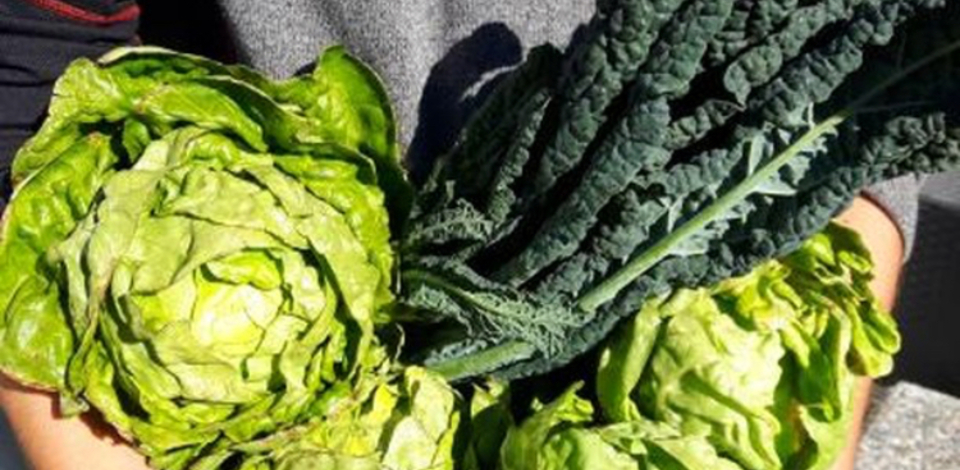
x,y
456,86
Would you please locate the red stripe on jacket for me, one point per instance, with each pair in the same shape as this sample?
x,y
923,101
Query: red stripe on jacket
x,y
66,10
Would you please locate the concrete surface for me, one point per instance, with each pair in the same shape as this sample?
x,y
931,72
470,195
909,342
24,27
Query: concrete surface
x,y
911,428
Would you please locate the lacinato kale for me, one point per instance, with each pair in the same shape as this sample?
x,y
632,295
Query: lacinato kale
x,y
683,143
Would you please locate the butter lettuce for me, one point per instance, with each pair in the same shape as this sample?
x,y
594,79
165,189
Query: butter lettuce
x,y
755,372
202,254
403,421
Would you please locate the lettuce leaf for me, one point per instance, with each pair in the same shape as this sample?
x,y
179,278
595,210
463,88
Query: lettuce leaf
x,y
754,372
202,254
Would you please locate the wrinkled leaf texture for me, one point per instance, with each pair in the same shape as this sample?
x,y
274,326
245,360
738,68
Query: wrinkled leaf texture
x,y
774,129
198,252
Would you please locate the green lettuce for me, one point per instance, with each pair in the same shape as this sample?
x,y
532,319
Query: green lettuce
x,y
755,372
405,421
490,419
199,253
556,438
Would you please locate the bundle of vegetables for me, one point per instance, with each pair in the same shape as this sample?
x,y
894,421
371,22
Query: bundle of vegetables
x,y
679,143
755,372
206,256
203,255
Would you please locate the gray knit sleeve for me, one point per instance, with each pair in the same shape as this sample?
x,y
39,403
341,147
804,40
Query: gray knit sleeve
x,y
900,198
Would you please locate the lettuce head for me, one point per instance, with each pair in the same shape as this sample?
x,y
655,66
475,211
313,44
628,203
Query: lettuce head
x,y
198,252
756,372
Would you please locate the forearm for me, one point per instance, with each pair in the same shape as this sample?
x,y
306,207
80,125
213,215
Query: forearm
x,y
51,442
883,239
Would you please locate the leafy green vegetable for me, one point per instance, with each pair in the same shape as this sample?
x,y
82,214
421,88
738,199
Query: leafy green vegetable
x,y
404,423
619,39
754,372
633,146
490,418
738,133
567,444
203,255
523,445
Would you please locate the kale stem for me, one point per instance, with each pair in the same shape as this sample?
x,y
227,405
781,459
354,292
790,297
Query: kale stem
x,y
484,361
611,286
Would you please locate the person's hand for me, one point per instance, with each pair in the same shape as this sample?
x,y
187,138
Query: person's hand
x,y
51,442
883,239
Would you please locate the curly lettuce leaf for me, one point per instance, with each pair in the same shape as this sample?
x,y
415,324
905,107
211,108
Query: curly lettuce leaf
x,y
406,421
762,365
199,254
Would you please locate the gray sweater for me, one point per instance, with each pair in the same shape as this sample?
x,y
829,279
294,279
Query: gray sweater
x,y
435,56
